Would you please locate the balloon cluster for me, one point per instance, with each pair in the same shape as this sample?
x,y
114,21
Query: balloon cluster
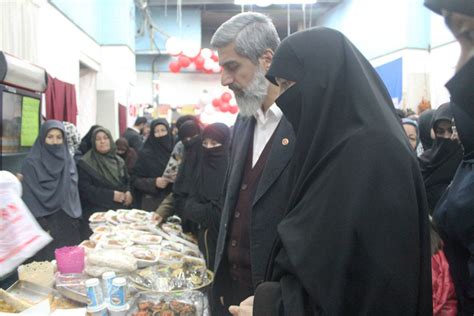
x,y
204,60
222,104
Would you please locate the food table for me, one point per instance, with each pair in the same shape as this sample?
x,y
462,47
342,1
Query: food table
x,y
164,270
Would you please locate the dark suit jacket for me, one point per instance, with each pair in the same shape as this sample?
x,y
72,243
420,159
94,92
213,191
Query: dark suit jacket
x,y
134,139
269,203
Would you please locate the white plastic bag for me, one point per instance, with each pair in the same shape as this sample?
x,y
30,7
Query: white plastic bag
x,y
20,235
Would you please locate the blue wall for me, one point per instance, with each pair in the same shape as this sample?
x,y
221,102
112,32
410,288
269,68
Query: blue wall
x,y
379,27
108,22
190,27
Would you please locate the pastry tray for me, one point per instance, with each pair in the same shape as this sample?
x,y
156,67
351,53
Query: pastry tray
x,y
31,292
72,286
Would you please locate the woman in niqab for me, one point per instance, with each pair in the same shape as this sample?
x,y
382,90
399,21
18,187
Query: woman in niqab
x,y
50,188
204,206
152,159
439,163
355,239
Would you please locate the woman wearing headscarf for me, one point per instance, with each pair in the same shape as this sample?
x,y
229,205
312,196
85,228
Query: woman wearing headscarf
x,y
148,178
128,154
50,188
411,130
204,206
85,145
453,214
186,180
355,238
103,178
439,163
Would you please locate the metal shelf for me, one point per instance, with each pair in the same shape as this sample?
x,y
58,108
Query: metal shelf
x,y
23,153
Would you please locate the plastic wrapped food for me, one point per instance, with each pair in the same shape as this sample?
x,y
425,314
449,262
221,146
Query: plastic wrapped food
x,y
97,217
103,260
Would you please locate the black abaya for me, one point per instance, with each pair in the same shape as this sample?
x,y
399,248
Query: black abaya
x,y
355,239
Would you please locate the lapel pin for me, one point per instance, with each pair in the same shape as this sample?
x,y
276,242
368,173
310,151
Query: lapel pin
x,y
285,141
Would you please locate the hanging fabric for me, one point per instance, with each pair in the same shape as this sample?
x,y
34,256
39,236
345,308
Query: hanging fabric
x,y
61,101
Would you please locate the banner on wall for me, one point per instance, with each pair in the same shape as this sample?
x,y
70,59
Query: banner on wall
x,y
391,75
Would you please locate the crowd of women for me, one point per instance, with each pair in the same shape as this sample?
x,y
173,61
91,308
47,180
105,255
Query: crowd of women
x,y
108,175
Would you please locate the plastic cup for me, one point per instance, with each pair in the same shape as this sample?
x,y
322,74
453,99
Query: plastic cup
x,y
117,294
95,298
70,259
107,279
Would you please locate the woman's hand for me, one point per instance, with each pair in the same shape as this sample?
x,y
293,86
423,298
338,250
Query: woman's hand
x,y
157,218
161,182
119,197
128,198
244,309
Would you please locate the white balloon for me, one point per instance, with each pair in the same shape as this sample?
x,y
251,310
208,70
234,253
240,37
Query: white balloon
x,y
209,64
191,49
216,68
206,53
205,98
174,46
209,109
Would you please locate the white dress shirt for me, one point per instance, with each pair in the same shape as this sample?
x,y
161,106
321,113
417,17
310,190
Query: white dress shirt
x,y
266,124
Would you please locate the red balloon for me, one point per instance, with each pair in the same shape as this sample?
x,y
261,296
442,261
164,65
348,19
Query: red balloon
x,y
200,68
184,61
175,66
217,103
226,96
234,109
224,107
214,57
199,61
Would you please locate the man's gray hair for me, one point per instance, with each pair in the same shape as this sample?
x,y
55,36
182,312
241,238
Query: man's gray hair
x,y
251,32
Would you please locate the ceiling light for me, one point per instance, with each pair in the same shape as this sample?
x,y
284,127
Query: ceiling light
x,y
265,3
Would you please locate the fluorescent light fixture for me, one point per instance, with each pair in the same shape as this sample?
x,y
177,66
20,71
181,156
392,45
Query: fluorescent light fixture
x,y
20,73
265,3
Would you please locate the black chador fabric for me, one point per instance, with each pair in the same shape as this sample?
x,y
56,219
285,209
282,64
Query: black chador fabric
x,y
187,174
204,206
154,155
214,163
439,164
424,126
355,239
186,180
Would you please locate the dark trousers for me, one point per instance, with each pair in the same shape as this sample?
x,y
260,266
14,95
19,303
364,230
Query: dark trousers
x,y
63,229
228,292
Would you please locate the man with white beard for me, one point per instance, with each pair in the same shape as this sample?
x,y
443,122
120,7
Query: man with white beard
x,y
256,190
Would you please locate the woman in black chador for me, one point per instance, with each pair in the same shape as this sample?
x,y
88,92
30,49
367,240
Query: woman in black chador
x,y
355,239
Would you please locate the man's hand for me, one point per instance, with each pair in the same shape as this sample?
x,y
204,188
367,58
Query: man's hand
x,y
161,182
128,198
244,309
119,197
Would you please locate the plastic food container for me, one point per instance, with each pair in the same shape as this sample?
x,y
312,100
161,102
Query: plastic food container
x,y
95,298
118,293
70,259
107,279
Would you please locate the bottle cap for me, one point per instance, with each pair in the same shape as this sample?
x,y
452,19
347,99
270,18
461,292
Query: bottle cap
x,y
119,281
108,275
92,282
